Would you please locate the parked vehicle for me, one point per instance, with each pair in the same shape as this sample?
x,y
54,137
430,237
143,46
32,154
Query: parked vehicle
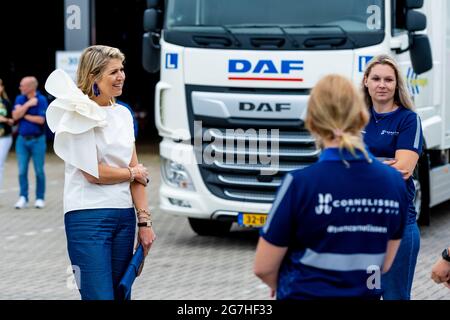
x,y
235,77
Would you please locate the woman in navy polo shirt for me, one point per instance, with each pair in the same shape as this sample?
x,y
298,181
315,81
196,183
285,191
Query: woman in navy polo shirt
x,y
335,225
394,133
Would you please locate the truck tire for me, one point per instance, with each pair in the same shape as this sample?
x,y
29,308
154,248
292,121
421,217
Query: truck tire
x,y
204,227
422,181
418,198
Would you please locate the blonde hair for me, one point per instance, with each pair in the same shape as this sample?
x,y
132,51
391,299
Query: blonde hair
x,y
3,95
93,62
401,96
336,111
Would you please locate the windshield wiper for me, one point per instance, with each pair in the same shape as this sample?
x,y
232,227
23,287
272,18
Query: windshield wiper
x,y
261,26
225,28
312,41
227,31
328,40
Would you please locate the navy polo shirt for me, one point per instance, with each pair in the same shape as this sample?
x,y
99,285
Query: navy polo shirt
x,y
336,218
389,132
27,128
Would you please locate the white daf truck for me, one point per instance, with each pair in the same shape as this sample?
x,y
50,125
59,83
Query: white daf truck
x,y
235,77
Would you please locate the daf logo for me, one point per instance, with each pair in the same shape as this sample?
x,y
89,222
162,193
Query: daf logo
x,y
264,107
264,66
324,204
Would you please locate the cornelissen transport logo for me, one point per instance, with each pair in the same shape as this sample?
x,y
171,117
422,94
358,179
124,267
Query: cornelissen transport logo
x,y
325,204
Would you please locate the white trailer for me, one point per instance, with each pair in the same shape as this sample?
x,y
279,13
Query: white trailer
x,y
235,77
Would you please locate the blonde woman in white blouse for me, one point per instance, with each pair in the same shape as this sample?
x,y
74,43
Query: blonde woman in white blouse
x,y
104,186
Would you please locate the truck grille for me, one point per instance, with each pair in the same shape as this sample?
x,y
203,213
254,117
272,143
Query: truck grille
x,y
234,164
235,167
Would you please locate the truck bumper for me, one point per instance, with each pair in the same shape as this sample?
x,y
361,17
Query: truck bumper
x,y
200,203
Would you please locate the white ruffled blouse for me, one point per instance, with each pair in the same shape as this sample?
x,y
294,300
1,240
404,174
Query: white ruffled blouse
x,y
72,116
85,135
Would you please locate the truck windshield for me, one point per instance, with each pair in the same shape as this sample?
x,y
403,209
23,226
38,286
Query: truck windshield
x,y
361,16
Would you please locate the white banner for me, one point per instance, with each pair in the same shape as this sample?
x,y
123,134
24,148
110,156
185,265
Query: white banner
x,y
68,61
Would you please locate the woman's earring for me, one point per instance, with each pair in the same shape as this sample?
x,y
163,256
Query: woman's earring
x,y
96,89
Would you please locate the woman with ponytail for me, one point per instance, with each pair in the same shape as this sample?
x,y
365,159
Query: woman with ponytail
x,y
394,134
334,226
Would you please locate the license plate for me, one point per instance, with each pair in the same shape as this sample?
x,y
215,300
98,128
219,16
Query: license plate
x,y
252,219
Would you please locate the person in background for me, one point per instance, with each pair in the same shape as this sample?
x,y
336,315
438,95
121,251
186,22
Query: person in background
x,y
336,225
394,133
29,111
6,123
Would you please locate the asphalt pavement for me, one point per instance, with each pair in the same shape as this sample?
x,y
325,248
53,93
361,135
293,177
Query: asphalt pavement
x,y
181,265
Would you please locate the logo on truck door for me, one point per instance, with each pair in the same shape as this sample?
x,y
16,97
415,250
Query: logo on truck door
x,y
171,60
415,83
363,61
265,70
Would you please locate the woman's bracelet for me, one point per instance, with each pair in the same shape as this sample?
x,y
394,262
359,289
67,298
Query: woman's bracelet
x,y
131,174
144,217
146,211
148,224
143,213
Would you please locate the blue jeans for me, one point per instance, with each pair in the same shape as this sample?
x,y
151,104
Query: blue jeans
x,y
397,282
100,244
35,149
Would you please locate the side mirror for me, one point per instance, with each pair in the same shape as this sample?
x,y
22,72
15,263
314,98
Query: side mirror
x,y
151,51
420,52
415,21
153,3
151,19
412,4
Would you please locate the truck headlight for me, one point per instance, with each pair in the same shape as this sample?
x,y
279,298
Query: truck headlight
x,y
176,175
